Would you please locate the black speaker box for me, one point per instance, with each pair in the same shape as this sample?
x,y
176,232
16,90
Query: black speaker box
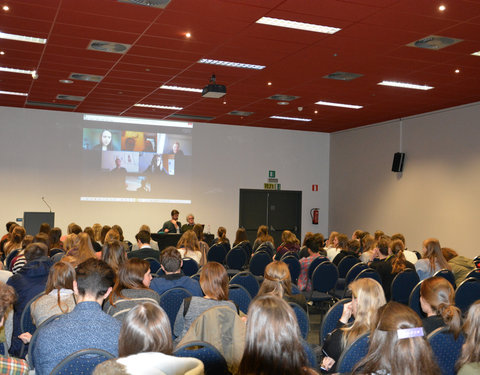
x,y
398,159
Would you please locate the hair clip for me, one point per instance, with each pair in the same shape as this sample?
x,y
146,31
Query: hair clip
x,y
410,332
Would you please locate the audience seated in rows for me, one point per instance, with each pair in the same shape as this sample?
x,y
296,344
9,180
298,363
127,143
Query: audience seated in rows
x,y
314,250
290,243
189,247
352,248
222,238
432,259
198,230
242,240
144,249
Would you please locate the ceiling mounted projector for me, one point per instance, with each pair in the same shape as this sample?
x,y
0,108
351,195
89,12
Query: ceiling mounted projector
x,y
212,90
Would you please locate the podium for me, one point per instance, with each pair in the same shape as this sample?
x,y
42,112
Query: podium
x,y
33,220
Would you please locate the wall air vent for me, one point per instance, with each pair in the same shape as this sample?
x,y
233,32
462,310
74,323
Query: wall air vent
x,y
85,77
111,47
287,98
70,97
162,4
434,42
343,76
240,113
192,117
51,105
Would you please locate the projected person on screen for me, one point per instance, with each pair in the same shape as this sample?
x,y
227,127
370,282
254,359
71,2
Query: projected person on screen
x,y
156,166
105,141
176,150
118,167
172,225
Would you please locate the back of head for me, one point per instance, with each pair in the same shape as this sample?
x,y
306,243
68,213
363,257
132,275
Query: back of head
x,y
307,236
143,236
44,228
397,344
214,281
378,234
277,279
9,224
471,328
112,235
433,252
61,276
18,234
97,230
7,298
368,243
27,241
398,236
289,237
71,241
448,253
85,248
399,262
273,342
145,328
114,254
35,251
119,230
198,229
383,244
342,241
94,277
262,231
240,236
189,241
353,246
54,237
104,232
76,229
132,272
145,227
222,234
171,259
315,242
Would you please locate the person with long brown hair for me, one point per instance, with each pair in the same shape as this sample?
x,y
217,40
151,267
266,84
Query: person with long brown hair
x,y
437,299
241,239
367,298
432,259
189,247
54,239
290,244
222,238
262,237
198,230
131,288
16,238
461,266
273,343
82,251
113,253
398,345
469,361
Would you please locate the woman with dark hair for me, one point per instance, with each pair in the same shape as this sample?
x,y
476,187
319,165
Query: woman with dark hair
x,y
398,345
242,240
44,228
103,233
113,253
290,243
437,299
16,238
469,361
273,343
105,141
156,166
262,237
214,284
432,259
54,239
198,230
222,238
132,287
277,281
145,345
189,247
96,246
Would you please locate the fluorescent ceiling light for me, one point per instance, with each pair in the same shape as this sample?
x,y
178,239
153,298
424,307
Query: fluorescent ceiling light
x,y
21,71
13,93
298,25
231,64
22,38
178,88
405,85
135,200
135,120
476,53
291,118
331,104
158,106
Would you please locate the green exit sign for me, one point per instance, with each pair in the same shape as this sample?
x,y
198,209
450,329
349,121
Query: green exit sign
x,y
271,174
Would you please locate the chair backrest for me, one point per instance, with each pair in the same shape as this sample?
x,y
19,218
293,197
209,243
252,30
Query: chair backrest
x,y
57,257
217,253
330,320
52,252
445,349
212,359
324,277
265,246
190,266
302,319
154,264
248,281
353,273
289,254
196,276
311,357
236,258
171,300
474,273
295,289
10,257
314,265
448,275
82,362
467,293
346,264
240,296
26,322
294,266
414,300
259,261
33,340
370,273
403,284
353,354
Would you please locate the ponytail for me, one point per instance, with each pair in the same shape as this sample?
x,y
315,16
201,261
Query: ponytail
x,y
399,263
451,315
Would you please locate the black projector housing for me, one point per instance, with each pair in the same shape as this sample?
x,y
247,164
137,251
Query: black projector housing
x,y
214,91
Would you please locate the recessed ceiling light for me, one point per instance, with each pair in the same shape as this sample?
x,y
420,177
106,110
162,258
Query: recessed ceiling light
x,y
188,35
13,93
157,106
67,81
457,70
231,64
6,8
405,85
269,83
291,118
476,53
332,104
441,8
283,103
21,71
135,120
2,53
298,25
178,88
22,38
316,111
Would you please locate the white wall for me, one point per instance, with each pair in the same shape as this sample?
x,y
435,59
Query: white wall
x,y
226,158
437,195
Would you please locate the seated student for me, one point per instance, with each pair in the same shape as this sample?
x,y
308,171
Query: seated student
x,y
290,243
132,286
432,259
437,299
303,253
222,238
332,245
469,361
153,244
313,246
262,238
398,345
145,345
189,247
380,252
144,248
352,248
409,255
461,266
113,253
83,250
198,230
368,246
172,225
9,365
171,264
242,240
87,326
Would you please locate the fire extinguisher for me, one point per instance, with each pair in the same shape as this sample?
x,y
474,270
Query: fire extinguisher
x,y
314,215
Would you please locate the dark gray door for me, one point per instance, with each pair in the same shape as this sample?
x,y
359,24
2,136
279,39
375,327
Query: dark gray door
x,y
278,209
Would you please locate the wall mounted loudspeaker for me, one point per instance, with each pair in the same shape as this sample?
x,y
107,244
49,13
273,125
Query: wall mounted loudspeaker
x,y
398,159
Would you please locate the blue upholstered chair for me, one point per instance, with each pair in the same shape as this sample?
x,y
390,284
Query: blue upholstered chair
x,y
259,261
353,354
248,281
447,274
240,296
329,322
217,253
82,362
403,284
446,349
171,301
189,267
212,359
467,293
302,319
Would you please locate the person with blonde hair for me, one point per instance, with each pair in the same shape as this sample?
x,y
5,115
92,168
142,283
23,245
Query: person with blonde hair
x,y
432,259
82,251
273,343
70,244
469,361
198,230
398,345
189,247
16,238
437,299
290,244
367,298
97,230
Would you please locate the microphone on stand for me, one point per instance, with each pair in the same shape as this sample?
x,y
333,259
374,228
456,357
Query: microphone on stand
x,y
44,201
